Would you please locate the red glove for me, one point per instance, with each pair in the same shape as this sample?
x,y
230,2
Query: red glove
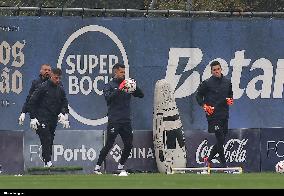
x,y
230,101
122,85
208,109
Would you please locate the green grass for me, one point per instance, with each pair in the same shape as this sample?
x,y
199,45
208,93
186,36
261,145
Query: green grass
x,y
144,181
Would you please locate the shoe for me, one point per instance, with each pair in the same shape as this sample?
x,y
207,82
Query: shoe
x,y
48,164
228,172
207,162
98,172
123,173
204,172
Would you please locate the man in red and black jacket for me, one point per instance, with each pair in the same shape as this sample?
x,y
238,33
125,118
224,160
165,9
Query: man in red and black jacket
x,y
119,121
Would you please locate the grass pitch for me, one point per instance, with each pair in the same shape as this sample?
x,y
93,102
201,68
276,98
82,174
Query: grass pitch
x,y
145,181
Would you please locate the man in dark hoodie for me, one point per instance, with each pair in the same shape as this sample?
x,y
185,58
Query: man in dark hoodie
x,y
47,106
43,76
215,95
119,121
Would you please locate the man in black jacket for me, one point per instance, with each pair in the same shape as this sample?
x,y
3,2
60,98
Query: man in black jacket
x,y
215,95
47,105
119,122
43,76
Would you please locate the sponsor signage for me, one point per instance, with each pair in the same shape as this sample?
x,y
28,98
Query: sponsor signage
x,y
11,153
71,148
86,49
272,148
241,148
142,155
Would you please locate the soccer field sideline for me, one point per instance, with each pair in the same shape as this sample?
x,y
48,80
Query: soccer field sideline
x,y
144,181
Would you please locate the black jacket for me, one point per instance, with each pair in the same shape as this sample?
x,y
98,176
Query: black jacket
x,y
47,101
214,92
118,102
35,84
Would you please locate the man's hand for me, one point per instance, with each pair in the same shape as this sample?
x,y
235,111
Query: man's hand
x,y
122,85
208,109
34,124
22,118
61,118
230,101
66,124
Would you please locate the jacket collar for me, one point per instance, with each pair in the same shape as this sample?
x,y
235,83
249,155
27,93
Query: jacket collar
x,y
116,80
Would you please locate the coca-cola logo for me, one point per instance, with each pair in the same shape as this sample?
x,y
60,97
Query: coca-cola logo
x,y
234,151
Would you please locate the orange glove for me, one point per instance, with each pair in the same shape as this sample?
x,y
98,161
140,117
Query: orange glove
x,y
208,109
122,85
230,101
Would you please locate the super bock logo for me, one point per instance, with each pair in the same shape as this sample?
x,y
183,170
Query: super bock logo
x,y
234,151
87,58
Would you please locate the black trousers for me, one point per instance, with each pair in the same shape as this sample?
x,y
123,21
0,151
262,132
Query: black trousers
x,y
220,128
125,132
46,132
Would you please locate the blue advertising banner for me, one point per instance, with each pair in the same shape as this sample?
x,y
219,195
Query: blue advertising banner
x,y
272,148
70,148
241,149
11,153
142,155
250,51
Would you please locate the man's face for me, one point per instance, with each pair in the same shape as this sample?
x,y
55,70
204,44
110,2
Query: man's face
x,y
216,71
45,71
55,78
119,73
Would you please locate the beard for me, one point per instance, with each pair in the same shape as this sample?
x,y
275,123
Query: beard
x,y
120,79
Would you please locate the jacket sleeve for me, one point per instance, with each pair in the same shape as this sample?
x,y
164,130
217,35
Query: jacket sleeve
x,y
64,107
230,91
25,108
110,93
138,93
201,93
36,96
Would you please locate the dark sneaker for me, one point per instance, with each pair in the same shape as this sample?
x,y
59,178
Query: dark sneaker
x,y
228,171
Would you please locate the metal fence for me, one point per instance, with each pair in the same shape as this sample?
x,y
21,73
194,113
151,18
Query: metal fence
x,y
103,12
137,8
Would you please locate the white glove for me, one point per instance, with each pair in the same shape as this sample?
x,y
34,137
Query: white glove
x,y
34,124
61,118
66,124
22,118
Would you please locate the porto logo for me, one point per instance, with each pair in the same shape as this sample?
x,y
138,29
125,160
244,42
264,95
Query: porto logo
x,y
87,58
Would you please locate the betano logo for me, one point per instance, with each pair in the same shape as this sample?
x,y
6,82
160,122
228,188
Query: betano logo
x,y
86,83
236,67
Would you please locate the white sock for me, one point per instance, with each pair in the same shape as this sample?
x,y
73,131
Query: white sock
x,y
120,166
98,167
